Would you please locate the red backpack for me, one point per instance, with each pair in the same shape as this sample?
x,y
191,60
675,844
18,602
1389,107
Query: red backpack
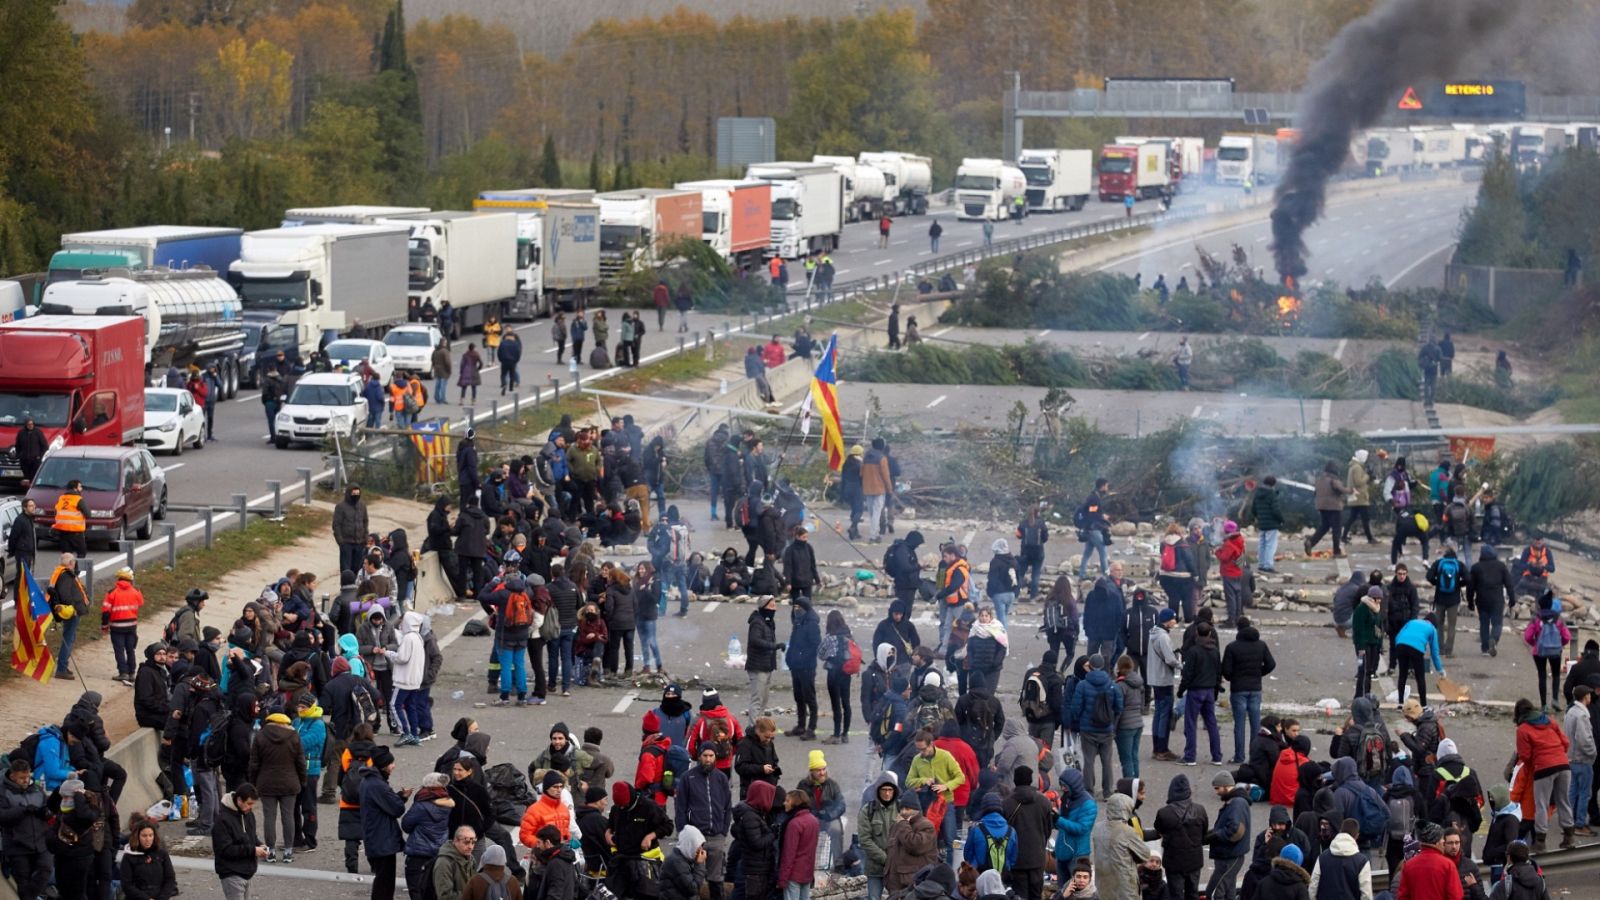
x,y
1169,557
519,610
852,659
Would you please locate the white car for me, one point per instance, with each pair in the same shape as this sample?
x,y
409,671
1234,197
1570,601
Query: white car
x,y
350,353
411,347
320,406
172,420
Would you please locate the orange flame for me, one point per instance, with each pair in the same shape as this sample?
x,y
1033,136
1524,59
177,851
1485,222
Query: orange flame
x,y
1235,296
1288,306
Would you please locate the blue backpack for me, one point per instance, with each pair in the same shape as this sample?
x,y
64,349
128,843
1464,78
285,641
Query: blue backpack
x,y
1550,642
1449,575
1372,815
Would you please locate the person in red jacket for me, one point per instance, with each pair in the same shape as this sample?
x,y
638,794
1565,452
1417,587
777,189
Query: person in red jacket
x,y
120,616
1542,750
1231,554
651,775
773,354
715,720
950,741
1286,772
797,865
1430,875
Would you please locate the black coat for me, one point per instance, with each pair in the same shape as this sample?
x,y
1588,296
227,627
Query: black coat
x,y
148,876
559,880
681,877
151,693
1202,667
749,758
233,841
800,566
761,644
31,446
1247,660
1030,814
1489,583
471,532
1182,824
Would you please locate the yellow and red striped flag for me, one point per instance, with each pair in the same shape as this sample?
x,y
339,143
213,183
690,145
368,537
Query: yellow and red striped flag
x,y
29,653
824,399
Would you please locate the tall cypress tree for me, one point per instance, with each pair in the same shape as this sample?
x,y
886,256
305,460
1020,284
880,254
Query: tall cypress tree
x,y
550,164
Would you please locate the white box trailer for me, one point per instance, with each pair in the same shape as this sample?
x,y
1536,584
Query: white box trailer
x,y
1441,147
1058,180
807,206
353,214
1247,159
1391,151
468,259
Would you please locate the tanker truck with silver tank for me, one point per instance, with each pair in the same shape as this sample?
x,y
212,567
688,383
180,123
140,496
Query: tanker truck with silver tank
x,y
192,317
908,180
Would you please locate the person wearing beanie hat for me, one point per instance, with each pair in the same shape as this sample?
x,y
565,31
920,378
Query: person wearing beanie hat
x,y
704,804
1489,585
991,842
652,775
1231,555
825,797
1230,842
1093,712
494,875
1286,878
1430,873
1032,815
427,825
547,810
120,614
381,809
278,770
718,725
592,827
1505,825
850,492
1005,573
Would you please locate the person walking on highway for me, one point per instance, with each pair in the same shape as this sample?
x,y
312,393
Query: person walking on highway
x,y
471,374
1127,206
22,542
442,369
988,234
883,231
30,448
350,529
638,339
491,333
661,298
1185,355
72,520
558,334
1330,498
510,356
272,387
934,231
625,342
684,302
119,613
579,331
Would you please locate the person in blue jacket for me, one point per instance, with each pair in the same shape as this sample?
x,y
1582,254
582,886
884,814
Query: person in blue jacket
x,y
991,825
1074,819
372,392
805,637
1418,639
1096,731
51,759
1230,837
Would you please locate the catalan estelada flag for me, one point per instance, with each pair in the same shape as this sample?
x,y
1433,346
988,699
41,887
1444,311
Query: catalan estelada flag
x,y
29,653
824,399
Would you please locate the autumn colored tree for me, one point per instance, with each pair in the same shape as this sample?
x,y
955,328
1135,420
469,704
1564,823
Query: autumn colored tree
x,y
251,84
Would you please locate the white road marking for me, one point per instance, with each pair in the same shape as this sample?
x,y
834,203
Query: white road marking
x,y
1143,336
1329,271
1420,260
549,349
966,243
943,331
1338,351
841,271
1196,413
1327,415
711,607
247,398
1260,239
1043,333
173,467
937,400
625,702
898,243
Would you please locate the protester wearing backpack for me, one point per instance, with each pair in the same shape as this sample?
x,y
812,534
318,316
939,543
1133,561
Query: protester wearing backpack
x,y
991,842
1448,575
1542,749
1405,806
841,661
1458,792
1547,637
1041,698
1093,711
513,614
1355,799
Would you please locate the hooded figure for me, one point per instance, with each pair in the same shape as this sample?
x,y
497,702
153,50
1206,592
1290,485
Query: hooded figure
x,y
755,840
897,631
1075,819
876,819
1182,825
987,835
1118,850
1015,748
684,873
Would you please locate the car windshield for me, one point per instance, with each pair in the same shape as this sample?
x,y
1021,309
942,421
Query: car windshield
x,y
160,402
347,350
322,395
408,339
46,410
96,474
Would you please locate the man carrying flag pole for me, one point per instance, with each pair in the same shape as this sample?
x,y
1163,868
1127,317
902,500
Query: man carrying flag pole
x,y
29,653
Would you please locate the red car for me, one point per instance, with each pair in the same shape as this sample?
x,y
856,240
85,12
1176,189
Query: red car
x,y
123,488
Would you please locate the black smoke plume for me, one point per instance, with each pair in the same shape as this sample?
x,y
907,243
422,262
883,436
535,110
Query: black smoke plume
x,y
1370,62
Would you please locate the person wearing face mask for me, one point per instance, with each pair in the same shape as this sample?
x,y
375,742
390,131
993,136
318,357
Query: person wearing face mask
x,y
350,528
704,804
761,654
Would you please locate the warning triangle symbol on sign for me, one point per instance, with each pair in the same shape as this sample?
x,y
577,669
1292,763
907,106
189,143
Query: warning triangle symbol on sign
x,y
1409,101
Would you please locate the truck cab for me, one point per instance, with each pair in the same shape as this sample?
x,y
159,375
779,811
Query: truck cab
x,y
987,189
80,379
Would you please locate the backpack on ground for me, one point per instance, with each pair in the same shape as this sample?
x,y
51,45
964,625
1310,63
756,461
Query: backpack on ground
x,y
1372,753
995,858
852,657
1034,704
1104,714
214,739
1449,575
519,610
1550,642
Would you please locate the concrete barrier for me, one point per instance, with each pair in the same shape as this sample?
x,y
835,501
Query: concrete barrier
x,y
433,586
140,754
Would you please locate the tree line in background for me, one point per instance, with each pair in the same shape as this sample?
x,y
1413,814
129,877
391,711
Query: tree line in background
x,y
227,111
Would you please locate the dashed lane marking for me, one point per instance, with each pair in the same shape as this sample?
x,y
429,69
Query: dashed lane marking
x,y
936,401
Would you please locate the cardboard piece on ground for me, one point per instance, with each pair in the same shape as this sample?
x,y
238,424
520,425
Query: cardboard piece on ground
x,y
1454,691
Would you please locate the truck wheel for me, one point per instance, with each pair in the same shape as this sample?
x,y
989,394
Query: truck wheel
x,y
146,529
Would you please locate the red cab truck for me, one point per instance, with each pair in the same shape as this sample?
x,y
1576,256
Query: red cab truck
x,y
80,378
